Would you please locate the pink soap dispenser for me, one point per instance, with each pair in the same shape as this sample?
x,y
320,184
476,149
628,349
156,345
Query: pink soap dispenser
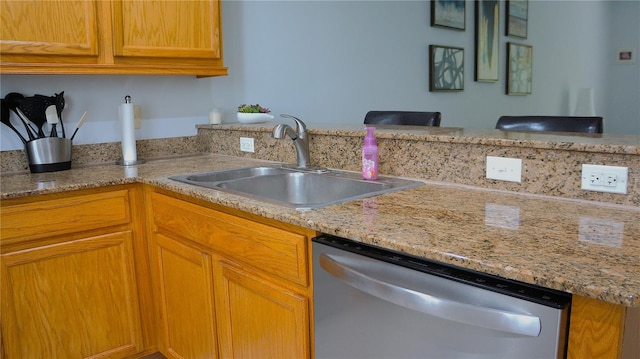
x,y
370,156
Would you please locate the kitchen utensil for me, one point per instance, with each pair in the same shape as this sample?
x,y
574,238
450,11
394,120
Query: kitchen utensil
x,y
12,100
35,108
84,116
25,120
6,119
52,118
59,107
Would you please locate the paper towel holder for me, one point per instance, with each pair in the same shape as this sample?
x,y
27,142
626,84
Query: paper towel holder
x,y
122,161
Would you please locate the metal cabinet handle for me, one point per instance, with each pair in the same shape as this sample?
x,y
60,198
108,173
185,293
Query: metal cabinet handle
x,y
445,308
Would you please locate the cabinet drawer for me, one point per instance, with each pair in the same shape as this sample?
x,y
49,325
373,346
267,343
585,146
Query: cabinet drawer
x,y
48,218
267,248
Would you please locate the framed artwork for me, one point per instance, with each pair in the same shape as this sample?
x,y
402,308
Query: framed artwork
x,y
517,18
519,69
446,68
626,56
448,14
487,40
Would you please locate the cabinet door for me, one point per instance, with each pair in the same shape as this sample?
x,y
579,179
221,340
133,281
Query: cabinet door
x,y
257,318
52,27
184,286
70,300
160,29
115,37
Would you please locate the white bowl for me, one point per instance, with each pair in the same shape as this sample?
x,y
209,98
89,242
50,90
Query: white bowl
x,y
253,117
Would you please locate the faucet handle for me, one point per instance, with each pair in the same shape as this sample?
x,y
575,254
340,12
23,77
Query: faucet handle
x,y
301,128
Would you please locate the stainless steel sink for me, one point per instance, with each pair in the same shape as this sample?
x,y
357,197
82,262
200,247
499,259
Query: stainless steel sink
x,y
227,175
293,187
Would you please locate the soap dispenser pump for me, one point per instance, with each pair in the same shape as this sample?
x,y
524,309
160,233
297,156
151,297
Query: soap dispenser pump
x,y
370,156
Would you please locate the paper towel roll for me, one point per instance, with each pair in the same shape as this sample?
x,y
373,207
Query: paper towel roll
x,y
128,131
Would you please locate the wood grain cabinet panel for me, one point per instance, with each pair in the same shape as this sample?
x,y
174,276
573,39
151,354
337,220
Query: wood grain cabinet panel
x,y
186,29
184,280
601,330
116,37
259,279
52,27
74,276
271,249
75,299
55,217
257,318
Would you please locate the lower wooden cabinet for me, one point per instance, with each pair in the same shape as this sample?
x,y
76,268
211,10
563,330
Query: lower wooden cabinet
x,y
256,318
600,330
74,290
184,287
219,277
70,300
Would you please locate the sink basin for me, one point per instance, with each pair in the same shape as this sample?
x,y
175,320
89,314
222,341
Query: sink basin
x,y
293,187
220,176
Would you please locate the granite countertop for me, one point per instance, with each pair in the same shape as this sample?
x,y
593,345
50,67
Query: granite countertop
x,y
583,247
584,142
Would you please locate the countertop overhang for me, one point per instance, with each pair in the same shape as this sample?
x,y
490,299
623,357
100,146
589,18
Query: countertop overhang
x,y
582,247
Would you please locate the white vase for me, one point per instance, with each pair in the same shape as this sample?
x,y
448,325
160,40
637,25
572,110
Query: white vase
x,y
254,117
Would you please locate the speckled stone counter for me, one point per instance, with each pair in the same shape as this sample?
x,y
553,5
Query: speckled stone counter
x,y
583,247
551,162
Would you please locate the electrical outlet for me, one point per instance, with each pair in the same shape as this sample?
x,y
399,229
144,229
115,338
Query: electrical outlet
x,y
137,119
246,144
612,179
504,169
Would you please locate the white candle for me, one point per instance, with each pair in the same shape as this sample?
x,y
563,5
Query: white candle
x,y
215,116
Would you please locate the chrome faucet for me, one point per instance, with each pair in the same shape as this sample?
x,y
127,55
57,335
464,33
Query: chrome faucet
x,y
299,137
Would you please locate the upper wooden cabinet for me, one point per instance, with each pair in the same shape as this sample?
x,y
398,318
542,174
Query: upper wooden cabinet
x,y
111,37
66,28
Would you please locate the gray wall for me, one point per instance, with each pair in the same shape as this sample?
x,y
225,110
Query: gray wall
x,y
332,61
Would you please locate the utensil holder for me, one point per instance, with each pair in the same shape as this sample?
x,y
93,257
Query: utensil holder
x,y
48,154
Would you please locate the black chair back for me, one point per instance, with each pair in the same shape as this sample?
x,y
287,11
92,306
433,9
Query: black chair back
x,y
551,123
403,118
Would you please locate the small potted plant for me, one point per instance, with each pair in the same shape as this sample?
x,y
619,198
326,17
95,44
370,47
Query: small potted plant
x,y
253,114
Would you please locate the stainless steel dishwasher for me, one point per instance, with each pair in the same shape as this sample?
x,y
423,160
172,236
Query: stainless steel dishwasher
x,y
374,303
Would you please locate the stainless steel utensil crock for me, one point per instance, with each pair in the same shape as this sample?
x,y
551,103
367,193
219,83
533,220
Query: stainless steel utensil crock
x,y
49,154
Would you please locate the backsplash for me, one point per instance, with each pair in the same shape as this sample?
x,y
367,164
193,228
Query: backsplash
x,y
553,171
450,155
16,160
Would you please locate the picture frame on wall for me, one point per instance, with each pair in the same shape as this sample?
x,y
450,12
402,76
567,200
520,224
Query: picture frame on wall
x,y
446,68
517,15
449,14
487,40
626,56
519,69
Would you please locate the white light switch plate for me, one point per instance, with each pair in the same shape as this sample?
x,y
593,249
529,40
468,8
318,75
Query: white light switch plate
x,y
246,144
504,169
612,179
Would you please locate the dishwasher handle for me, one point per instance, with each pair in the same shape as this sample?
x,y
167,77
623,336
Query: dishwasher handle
x,y
445,308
